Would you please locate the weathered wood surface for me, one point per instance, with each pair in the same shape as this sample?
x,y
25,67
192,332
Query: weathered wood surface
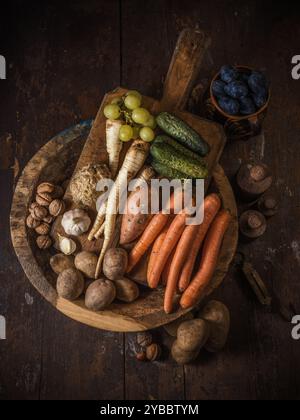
x,y
57,76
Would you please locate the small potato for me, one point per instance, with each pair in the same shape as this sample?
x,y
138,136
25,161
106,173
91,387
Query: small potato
x,y
192,335
86,262
100,294
70,284
61,262
183,357
115,263
218,317
127,290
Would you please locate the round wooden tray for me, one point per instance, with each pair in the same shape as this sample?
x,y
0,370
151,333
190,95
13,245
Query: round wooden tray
x,y
55,162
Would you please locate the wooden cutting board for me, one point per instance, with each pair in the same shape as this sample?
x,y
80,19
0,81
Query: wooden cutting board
x,y
183,70
59,154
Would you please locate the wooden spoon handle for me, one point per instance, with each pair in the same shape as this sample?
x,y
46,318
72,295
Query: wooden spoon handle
x,y
184,68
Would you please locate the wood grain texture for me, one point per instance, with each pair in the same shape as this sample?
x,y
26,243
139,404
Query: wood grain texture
x,y
62,58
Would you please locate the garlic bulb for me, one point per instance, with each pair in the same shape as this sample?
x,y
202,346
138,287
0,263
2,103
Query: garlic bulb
x,y
75,222
66,245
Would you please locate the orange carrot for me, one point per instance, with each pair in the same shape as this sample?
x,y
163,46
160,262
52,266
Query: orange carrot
x,y
166,270
174,232
210,254
212,205
149,235
155,250
181,253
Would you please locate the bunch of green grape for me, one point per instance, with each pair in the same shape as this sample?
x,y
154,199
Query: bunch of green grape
x,y
138,121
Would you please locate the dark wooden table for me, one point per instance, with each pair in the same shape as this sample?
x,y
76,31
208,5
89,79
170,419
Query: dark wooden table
x,y
61,58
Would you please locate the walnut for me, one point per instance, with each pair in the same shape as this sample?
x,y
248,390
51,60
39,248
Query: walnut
x,y
31,222
45,187
153,352
43,229
43,241
57,207
38,212
144,339
48,219
43,199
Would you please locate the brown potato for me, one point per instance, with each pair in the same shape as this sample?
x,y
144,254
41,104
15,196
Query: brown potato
x,y
86,262
183,357
218,317
127,290
70,284
100,294
61,262
115,263
192,335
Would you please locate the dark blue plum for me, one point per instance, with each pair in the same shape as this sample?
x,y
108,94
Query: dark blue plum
x,y
247,106
218,88
228,74
260,100
229,105
257,82
236,89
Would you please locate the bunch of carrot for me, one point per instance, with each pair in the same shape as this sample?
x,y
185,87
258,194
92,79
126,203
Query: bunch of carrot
x,y
175,247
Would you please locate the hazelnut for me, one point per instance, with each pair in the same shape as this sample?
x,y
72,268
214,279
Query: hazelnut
x,y
31,222
44,241
141,356
153,352
144,339
45,187
57,207
43,229
43,199
58,192
48,219
38,212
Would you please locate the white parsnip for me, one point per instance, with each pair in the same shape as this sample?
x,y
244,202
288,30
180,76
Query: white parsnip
x,y
133,162
113,145
98,221
100,231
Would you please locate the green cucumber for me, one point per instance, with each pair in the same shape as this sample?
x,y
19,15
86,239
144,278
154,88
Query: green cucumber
x,y
168,156
182,149
167,172
182,132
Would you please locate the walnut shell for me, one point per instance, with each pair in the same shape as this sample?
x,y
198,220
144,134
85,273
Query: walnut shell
x,y
48,219
45,187
43,229
38,212
144,339
57,207
43,199
44,241
31,222
153,352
